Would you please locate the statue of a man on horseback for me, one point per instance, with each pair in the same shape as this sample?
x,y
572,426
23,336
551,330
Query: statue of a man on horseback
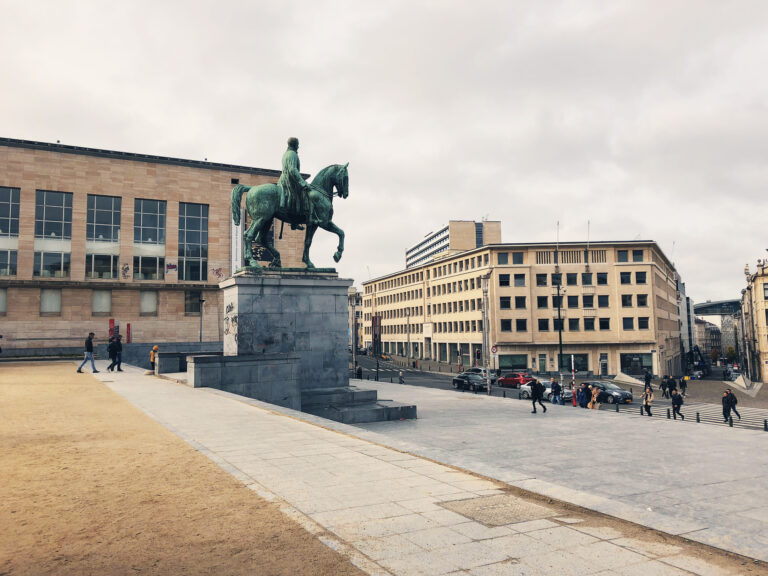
x,y
291,200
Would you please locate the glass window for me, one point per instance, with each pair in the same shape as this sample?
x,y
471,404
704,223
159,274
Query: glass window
x,y
636,363
765,291
557,279
640,277
588,300
192,300
103,219
505,302
573,324
573,301
589,324
541,280
580,362
558,324
602,278
557,301
521,325
628,323
542,302
642,300
51,264
148,268
626,277
3,301
637,255
519,302
543,324
503,279
101,266
502,258
53,214
626,300
149,221
571,279
148,303
8,262
622,255
102,302
602,301
506,325
50,301
9,212
642,323
586,279
605,323
193,242
517,257
519,280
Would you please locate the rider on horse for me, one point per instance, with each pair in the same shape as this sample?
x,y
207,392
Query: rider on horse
x,y
294,190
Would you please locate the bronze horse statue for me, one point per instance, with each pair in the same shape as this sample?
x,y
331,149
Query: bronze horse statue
x,y
263,206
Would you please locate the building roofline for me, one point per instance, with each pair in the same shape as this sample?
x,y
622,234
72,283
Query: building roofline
x,y
134,157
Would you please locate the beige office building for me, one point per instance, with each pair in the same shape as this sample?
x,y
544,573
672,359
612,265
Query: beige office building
x,y
754,322
618,308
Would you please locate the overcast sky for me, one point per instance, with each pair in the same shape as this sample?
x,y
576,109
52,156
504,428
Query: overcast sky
x,y
648,119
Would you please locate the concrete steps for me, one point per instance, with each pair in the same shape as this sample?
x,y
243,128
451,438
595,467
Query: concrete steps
x,y
352,405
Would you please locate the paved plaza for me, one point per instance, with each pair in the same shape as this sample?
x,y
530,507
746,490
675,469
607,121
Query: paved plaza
x,y
383,495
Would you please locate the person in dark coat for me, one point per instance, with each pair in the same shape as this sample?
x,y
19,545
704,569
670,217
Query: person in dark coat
x,y
663,386
557,391
537,391
648,378
119,349
683,386
671,385
112,352
677,402
732,401
88,354
726,406
582,395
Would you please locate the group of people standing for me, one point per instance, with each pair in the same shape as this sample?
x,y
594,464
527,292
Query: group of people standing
x,y
587,397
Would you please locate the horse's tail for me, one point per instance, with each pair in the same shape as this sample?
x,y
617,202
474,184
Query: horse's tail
x,y
237,195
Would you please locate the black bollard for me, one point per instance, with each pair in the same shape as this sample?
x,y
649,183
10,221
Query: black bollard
x,y
505,393
641,409
669,415
765,425
617,407
390,379
519,395
730,421
698,417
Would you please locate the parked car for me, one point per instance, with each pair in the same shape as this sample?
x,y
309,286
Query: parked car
x,y
362,351
515,379
482,372
469,381
525,391
610,393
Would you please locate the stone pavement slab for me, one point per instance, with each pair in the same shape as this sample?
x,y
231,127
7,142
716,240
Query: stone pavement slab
x,y
385,509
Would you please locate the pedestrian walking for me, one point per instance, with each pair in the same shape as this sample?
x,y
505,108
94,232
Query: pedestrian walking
x,y
732,402
683,385
119,346
88,354
648,377
648,400
671,385
557,391
582,394
112,353
153,356
677,402
595,405
401,379
359,372
663,386
537,391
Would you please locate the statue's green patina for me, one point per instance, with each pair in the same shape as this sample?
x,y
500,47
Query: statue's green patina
x,y
292,200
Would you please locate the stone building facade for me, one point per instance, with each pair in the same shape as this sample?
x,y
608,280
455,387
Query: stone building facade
x,y
618,308
90,238
753,335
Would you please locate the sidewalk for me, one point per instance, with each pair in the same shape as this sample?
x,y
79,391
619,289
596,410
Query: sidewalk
x,y
393,512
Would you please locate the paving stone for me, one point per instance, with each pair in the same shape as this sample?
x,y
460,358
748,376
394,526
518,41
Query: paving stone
x,y
434,538
560,562
393,546
531,525
646,548
473,554
477,531
653,568
562,537
419,564
698,566
607,556
601,532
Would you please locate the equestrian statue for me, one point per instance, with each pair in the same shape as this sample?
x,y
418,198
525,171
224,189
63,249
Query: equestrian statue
x,y
292,200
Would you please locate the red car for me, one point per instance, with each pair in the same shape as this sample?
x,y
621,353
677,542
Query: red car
x,y
515,379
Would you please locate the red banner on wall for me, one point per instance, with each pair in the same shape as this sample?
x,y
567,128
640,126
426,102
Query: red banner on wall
x,y
111,327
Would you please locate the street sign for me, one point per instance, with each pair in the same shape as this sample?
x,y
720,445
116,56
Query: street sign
x,y
493,349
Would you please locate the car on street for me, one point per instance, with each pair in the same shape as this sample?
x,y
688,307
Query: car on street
x,y
482,372
362,351
525,391
515,379
469,381
610,393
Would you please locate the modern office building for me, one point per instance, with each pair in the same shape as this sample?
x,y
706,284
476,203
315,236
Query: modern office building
x,y
687,331
614,304
753,335
708,338
457,236
94,238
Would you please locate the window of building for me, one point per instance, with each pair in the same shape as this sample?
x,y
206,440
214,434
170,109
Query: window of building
x,y
558,324
622,255
573,301
520,302
626,277
602,278
8,262
149,221
605,323
53,214
637,255
192,302
571,279
3,301
542,302
101,266
101,302
521,325
765,291
642,323
626,300
586,279
506,325
517,257
557,301
588,300
519,280
543,324
503,279
541,279
602,301
628,323
557,279
50,302
573,324
148,268
636,363
580,362
589,324
505,302
502,258
193,242
103,218
148,303
639,277
642,300
9,212
51,264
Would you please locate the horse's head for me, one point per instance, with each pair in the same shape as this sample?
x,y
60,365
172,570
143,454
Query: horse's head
x,y
342,181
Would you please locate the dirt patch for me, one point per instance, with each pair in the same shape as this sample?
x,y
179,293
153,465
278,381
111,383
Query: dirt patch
x,y
93,486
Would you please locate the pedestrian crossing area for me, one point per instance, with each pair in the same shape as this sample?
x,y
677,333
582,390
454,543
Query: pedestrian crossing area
x,y
751,418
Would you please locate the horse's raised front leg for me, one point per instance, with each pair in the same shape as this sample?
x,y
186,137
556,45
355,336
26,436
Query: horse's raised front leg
x,y
331,227
311,229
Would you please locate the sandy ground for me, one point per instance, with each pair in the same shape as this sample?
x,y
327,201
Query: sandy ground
x,y
90,485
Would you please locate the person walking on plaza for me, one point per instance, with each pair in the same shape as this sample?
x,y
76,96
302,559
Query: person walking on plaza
x,y
648,400
663,386
400,378
119,352
557,391
671,385
112,353
153,356
732,401
88,354
648,377
683,385
537,391
677,402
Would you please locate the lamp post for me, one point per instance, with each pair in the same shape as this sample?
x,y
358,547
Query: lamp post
x,y
560,328
352,296
408,330
486,356
202,301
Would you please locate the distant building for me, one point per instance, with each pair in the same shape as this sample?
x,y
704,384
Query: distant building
x,y
708,338
727,334
457,236
754,322
687,331
355,313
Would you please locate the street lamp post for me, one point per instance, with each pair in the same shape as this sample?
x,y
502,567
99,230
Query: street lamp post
x,y
408,320
352,295
486,351
560,329
202,301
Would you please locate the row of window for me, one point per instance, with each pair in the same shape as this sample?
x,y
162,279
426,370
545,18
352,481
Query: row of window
x,y
574,324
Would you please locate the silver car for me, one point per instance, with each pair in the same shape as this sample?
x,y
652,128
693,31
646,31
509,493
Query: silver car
x,y
525,391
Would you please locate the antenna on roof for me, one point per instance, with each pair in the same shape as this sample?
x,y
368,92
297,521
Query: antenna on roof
x,y
586,251
557,248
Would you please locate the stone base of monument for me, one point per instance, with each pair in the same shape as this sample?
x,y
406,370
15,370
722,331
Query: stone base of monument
x,y
285,342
